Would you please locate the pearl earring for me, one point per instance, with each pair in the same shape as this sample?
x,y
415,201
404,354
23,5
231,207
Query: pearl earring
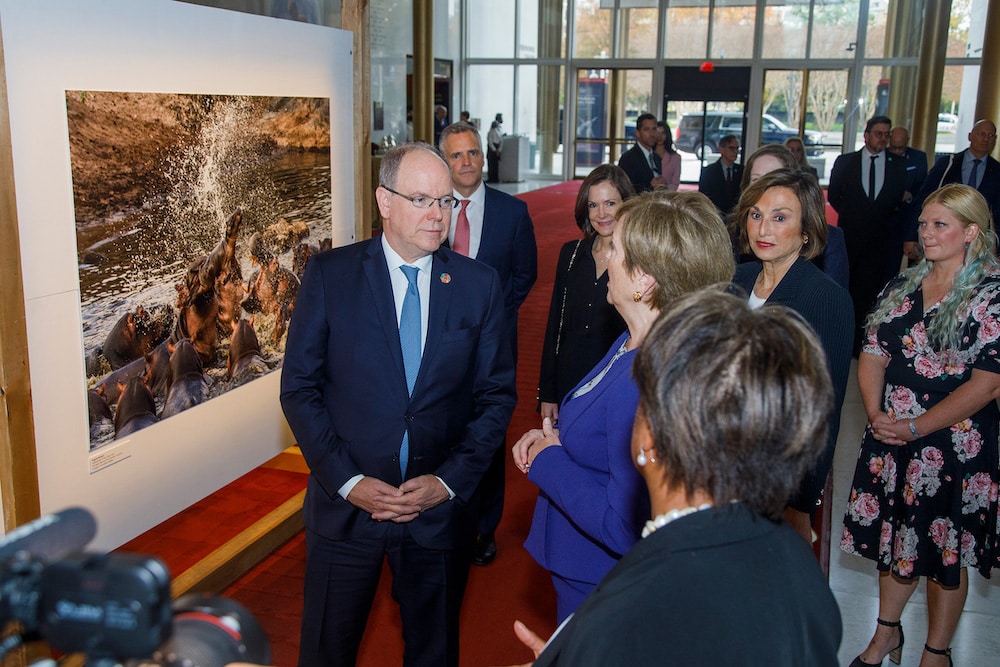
x,y
641,458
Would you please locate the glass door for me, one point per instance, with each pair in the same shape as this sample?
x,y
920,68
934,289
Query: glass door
x,y
608,101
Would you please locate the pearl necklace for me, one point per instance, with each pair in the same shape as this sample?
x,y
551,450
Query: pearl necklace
x,y
660,521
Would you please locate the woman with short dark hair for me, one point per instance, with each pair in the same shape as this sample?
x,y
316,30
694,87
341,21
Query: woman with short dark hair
x,y
582,324
733,407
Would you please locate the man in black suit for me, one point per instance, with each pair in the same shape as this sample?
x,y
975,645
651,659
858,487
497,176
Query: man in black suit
x,y
866,189
398,384
958,168
641,163
916,172
495,228
720,181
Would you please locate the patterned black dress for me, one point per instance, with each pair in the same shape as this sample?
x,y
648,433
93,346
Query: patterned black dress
x,y
929,507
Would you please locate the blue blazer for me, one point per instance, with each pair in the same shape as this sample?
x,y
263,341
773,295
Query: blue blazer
x,y
508,245
592,502
343,388
948,169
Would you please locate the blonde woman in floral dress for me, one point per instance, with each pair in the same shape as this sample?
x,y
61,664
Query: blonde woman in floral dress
x,y
924,498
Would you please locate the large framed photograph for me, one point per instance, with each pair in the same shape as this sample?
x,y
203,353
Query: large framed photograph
x,y
175,167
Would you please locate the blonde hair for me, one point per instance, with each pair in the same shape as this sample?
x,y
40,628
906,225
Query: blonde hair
x,y
677,238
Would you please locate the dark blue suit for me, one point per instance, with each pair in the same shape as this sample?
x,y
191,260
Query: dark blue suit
x,y
948,169
591,501
344,393
507,243
712,183
916,173
635,165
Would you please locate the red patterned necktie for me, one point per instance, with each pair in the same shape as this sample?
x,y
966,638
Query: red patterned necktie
x,y
461,243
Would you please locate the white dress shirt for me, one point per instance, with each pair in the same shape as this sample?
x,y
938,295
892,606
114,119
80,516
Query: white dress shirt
x,y
475,211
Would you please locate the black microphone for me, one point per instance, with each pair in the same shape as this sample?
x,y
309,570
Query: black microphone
x,y
52,536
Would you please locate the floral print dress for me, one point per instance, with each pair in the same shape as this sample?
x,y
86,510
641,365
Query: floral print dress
x,y
929,507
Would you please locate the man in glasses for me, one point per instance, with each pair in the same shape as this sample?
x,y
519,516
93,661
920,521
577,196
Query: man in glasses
x,y
495,228
398,384
866,189
720,181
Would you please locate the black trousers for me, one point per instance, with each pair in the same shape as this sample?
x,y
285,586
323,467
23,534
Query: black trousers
x,y
340,584
492,166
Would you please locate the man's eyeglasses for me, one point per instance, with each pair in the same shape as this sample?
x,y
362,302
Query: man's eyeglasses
x,y
425,201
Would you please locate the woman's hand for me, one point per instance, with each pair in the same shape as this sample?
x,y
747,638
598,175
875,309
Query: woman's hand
x,y
888,430
526,449
550,410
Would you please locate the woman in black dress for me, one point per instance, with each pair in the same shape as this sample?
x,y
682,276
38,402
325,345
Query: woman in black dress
x,y
924,498
582,324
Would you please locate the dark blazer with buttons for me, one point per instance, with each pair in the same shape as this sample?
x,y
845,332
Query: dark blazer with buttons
x,y
712,184
343,388
717,587
948,169
826,306
635,165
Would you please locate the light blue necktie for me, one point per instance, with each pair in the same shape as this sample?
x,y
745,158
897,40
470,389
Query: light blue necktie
x,y
409,341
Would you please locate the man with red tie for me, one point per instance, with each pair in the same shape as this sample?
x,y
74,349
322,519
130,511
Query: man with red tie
x,y
495,228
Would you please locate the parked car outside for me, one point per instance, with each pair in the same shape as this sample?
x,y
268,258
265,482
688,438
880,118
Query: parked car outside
x,y
720,123
947,123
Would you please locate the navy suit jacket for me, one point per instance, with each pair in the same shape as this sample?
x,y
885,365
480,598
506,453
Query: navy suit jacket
x,y
948,169
712,183
508,245
636,167
343,388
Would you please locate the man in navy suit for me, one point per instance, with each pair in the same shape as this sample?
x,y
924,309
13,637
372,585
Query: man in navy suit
x,y
720,181
641,163
395,457
958,168
494,228
866,189
916,172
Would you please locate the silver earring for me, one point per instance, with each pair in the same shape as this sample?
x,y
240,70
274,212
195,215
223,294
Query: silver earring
x,y
641,458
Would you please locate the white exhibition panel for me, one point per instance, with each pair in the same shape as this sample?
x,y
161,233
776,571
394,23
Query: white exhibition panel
x,y
155,46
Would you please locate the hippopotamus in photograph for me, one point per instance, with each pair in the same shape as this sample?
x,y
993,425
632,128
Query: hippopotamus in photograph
x,y
188,385
157,373
137,333
97,406
304,251
109,385
136,409
272,291
244,350
208,297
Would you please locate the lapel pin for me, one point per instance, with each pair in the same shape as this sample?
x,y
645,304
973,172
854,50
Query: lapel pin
x,y
445,278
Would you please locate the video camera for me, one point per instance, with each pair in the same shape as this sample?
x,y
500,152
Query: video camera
x,y
114,608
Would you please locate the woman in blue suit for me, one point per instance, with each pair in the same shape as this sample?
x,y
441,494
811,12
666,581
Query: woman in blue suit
x,y
591,502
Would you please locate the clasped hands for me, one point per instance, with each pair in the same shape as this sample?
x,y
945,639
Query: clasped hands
x,y
534,441
890,431
386,502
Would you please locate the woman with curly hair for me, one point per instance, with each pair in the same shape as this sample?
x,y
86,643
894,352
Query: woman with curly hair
x,y
923,502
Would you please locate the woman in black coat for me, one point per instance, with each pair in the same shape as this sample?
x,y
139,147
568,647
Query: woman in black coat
x,y
582,324
780,219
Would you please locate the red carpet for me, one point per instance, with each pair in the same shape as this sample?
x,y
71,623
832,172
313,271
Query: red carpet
x,y
514,586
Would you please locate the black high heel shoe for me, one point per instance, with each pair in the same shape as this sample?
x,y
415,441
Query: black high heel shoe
x,y
896,654
938,651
